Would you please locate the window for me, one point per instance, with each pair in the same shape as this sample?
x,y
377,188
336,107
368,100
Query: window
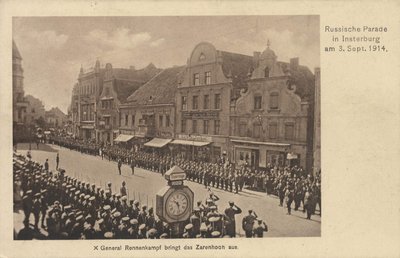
x,y
273,100
273,131
266,72
196,79
33,110
126,119
257,102
194,126
217,101
167,121
207,79
107,91
216,126
289,131
183,126
256,130
133,120
107,120
242,130
206,103
160,120
205,127
195,103
184,102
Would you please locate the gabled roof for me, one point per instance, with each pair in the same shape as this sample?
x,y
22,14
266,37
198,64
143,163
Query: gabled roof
x,y
236,66
127,81
160,89
15,51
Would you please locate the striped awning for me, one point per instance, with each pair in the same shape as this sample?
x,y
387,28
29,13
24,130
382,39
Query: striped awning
x,y
123,138
157,143
192,143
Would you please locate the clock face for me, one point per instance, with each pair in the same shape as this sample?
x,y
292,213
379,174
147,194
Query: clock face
x,y
177,204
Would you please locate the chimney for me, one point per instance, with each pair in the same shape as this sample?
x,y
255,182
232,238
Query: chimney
x,y
256,57
294,63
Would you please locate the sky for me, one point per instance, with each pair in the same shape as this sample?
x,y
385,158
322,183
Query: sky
x,y
54,48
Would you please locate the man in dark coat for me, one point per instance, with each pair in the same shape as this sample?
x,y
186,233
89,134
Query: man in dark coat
x,y
230,212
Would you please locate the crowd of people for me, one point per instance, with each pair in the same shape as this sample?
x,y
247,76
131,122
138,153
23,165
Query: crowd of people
x,y
289,184
67,208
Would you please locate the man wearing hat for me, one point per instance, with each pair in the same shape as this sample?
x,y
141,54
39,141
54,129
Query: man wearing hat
x,y
36,209
122,190
248,223
43,207
133,230
142,231
122,232
230,213
27,204
46,165
119,166
195,220
142,215
260,228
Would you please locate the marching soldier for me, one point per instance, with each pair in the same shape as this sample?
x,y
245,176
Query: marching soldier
x,y
230,212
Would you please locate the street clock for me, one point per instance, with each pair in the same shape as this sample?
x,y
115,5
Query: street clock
x,y
174,203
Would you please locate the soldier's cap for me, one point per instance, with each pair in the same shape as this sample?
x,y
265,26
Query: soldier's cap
x,y
98,188
117,214
64,184
87,184
231,203
209,200
124,198
163,236
125,219
134,221
87,197
131,201
77,192
215,233
113,194
109,183
93,185
37,195
43,190
118,195
69,187
25,197
189,226
213,207
108,235
88,217
198,202
101,190
92,198
136,202
198,236
71,214
100,221
104,214
73,189
113,210
214,219
185,234
165,224
142,226
87,226
67,207
144,207
151,209
79,213
250,211
107,207
29,192
80,217
82,195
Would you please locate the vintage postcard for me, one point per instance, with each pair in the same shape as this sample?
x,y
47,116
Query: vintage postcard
x,y
204,129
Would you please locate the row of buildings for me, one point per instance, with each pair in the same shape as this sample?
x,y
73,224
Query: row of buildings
x,y
28,111
247,109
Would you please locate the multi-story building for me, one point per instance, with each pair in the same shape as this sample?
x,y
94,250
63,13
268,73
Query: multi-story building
x,y
212,78
35,110
317,122
56,118
73,112
271,121
148,116
118,85
90,85
20,104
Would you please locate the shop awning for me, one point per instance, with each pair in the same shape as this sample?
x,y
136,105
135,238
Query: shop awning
x,y
157,143
262,143
123,138
192,143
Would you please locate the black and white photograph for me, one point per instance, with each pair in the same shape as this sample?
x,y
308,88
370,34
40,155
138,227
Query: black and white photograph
x,y
166,127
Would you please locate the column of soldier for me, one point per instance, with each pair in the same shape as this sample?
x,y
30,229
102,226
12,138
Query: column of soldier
x,y
290,184
68,208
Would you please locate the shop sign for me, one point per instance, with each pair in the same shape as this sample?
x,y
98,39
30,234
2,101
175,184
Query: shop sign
x,y
198,138
200,114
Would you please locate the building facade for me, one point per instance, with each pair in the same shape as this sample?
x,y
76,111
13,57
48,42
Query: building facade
x,y
270,121
90,85
118,85
203,101
56,118
317,123
20,104
73,112
148,116
35,110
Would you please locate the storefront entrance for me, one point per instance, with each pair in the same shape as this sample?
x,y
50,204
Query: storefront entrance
x,y
248,157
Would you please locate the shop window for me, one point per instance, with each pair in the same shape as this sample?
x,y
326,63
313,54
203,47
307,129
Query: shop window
x,y
274,98
205,127
257,102
194,126
195,103
196,79
217,101
183,126
289,131
216,126
206,102
242,130
273,131
184,102
126,119
208,78
133,120
167,121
